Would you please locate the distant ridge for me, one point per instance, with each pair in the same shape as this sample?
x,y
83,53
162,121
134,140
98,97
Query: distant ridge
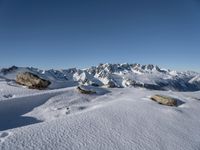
x,y
115,75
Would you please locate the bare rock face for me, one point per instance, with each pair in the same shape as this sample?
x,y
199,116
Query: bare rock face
x,y
164,100
129,83
32,81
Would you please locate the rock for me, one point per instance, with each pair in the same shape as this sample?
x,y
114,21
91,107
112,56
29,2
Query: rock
x,y
111,84
32,81
129,82
8,96
164,100
132,83
94,84
85,90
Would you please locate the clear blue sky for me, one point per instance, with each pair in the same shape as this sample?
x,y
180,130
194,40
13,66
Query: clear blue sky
x,y
81,33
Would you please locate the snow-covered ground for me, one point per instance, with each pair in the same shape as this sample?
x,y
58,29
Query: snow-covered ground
x,y
119,118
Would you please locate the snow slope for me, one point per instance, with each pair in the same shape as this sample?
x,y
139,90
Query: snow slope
x,y
119,118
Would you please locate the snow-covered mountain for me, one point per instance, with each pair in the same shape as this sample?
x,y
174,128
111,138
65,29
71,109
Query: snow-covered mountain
x,y
96,118
114,75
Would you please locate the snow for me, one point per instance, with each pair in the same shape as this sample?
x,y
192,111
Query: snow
x,y
173,73
12,89
195,79
121,118
60,117
150,76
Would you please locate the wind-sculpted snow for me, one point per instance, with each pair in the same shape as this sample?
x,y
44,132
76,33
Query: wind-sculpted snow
x,y
13,109
122,118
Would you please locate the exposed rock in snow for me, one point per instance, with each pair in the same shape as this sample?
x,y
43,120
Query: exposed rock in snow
x,y
91,90
85,90
164,100
111,84
32,81
129,83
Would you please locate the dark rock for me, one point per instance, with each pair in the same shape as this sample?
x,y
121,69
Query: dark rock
x,y
111,84
85,91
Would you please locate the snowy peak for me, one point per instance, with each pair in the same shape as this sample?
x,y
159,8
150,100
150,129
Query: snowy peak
x,y
8,70
114,75
195,79
117,68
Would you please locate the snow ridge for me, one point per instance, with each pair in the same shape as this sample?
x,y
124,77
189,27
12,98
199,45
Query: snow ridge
x,y
114,75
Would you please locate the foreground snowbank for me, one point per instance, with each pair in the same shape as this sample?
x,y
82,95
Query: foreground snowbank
x,y
120,119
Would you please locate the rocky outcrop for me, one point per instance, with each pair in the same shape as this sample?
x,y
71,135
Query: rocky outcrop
x,y
111,84
164,100
32,81
129,82
84,90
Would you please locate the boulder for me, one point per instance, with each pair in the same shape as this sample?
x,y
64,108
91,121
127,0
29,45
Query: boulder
x,y
85,90
164,100
32,81
111,84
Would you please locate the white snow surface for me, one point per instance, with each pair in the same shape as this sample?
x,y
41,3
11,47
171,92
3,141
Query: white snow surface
x,y
118,119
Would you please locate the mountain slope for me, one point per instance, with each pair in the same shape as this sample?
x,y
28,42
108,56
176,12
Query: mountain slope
x,y
108,118
115,75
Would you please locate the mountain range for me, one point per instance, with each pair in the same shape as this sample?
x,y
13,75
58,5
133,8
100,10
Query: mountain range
x,y
113,75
